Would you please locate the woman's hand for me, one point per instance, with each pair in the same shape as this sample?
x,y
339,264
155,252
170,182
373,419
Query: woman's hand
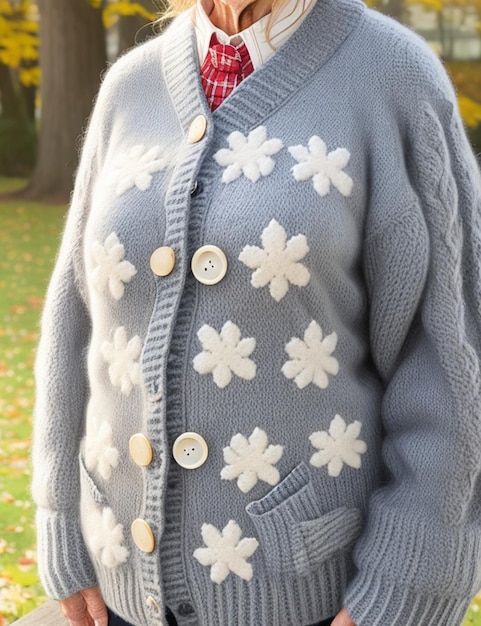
x,y
85,608
343,619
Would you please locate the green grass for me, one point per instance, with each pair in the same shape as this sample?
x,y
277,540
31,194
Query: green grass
x,y
29,236
11,184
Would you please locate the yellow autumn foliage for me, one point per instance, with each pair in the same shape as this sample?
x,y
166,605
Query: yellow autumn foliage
x,y
5,8
30,77
114,9
470,111
19,25
428,5
19,36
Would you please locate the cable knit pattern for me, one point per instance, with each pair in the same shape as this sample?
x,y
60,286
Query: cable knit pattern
x,y
372,314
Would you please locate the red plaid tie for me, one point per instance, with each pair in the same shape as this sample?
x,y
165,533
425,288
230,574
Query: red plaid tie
x,y
225,66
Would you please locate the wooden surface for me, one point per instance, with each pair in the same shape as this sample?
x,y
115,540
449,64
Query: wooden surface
x,y
49,614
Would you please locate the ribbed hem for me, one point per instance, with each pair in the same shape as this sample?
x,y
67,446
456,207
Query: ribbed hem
x,y
63,562
133,602
273,600
371,601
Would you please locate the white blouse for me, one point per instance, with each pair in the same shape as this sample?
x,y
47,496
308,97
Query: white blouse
x,y
254,37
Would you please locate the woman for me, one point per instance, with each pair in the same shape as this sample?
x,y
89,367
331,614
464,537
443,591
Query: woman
x,y
258,378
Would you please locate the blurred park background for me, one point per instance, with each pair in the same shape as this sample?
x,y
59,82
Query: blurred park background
x,y
52,55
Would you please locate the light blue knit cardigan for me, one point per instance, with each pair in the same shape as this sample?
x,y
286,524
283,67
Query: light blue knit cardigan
x,y
333,372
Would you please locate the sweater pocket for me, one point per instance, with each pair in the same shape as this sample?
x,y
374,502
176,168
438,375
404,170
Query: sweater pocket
x,y
102,532
295,535
88,485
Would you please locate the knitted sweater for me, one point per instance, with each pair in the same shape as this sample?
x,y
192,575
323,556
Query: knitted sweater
x,y
328,365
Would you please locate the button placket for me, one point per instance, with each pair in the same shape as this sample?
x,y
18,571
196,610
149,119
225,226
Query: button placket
x,y
163,320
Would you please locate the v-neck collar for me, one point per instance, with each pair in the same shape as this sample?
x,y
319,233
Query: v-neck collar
x,y
325,28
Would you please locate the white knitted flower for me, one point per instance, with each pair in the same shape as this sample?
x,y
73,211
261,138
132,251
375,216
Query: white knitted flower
x,y
135,168
311,359
277,263
339,446
224,354
122,354
106,538
249,155
226,552
111,270
251,460
324,168
100,455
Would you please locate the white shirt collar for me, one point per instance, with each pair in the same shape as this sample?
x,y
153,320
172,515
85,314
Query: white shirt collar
x,y
254,37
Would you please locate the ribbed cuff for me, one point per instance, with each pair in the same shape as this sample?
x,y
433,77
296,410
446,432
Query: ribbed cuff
x,y
371,601
412,571
63,562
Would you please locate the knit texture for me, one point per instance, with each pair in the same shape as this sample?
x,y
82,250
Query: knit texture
x,y
333,371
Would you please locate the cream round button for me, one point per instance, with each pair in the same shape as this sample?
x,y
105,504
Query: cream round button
x,y
209,265
142,535
197,129
140,449
162,261
190,450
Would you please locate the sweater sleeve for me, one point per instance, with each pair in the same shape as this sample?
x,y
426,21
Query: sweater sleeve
x,y
419,558
62,391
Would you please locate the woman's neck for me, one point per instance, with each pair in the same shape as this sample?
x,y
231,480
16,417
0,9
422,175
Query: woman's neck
x,y
234,16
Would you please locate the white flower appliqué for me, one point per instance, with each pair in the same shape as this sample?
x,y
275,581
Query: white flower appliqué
x,y
311,358
124,370
339,446
100,455
111,270
135,168
251,460
226,552
249,155
277,264
324,168
224,354
106,538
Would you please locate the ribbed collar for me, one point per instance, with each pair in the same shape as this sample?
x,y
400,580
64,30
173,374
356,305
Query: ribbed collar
x,y
325,28
254,37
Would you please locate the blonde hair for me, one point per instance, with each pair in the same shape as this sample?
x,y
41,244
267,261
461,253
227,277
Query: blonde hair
x,y
175,7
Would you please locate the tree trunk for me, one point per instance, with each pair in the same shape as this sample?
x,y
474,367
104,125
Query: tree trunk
x,y
29,94
72,56
394,8
442,34
135,29
13,108
17,130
